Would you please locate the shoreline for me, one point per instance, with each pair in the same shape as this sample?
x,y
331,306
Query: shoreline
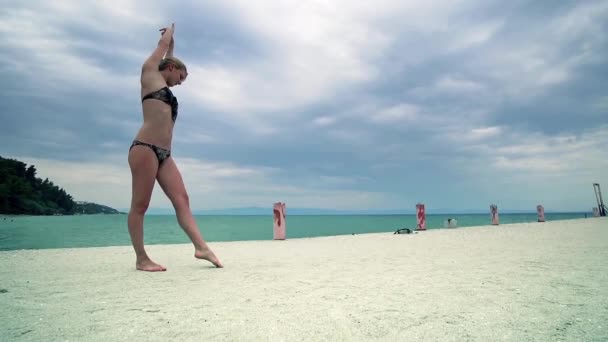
x,y
428,213
390,232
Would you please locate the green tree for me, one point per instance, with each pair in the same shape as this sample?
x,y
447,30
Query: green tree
x,y
21,192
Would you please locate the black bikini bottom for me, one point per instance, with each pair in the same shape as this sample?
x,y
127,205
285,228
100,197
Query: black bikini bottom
x,y
161,153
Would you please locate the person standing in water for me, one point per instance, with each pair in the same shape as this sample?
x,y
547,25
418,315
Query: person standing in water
x,y
150,153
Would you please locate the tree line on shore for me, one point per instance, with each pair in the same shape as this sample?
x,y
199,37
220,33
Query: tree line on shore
x,y
23,193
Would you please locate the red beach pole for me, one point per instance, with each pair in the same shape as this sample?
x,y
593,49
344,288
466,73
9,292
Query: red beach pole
x,y
420,217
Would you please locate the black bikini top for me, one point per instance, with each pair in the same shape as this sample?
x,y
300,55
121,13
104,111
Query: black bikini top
x,y
164,94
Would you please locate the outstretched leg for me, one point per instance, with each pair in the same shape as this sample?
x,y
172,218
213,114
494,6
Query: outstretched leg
x,y
143,164
172,184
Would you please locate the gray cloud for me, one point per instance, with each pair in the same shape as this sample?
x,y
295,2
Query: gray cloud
x,y
409,102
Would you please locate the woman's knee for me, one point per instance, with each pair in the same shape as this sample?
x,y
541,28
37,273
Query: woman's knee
x,y
140,207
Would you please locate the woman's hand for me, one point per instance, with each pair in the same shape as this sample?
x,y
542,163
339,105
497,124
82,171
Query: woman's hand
x,y
164,29
170,31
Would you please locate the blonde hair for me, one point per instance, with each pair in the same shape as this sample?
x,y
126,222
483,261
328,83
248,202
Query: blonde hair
x,y
165,62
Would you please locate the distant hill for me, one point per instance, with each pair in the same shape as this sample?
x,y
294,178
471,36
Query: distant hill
x,y
85,208
22,193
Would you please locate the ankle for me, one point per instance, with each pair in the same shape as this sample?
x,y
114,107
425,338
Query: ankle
x,y
142,256
202,246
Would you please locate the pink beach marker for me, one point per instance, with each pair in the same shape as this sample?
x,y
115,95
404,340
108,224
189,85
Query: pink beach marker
x,y
420,217
494,214
279,221
541,213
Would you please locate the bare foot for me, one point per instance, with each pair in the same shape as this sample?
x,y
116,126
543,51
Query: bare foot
x,y
207,254
149,266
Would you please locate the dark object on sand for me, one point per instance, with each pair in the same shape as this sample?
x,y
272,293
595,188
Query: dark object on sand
x,y
403,231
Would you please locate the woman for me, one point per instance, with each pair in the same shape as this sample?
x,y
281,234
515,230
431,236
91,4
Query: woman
x,y
150,154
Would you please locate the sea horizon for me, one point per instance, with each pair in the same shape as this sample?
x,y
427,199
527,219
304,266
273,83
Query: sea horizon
x,y
171,212
97,230
257,211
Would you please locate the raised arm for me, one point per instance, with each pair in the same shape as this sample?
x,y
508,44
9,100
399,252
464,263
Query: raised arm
x,y
165,45
171,44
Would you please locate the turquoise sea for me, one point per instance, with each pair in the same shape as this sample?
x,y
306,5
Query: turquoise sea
x,y
39,232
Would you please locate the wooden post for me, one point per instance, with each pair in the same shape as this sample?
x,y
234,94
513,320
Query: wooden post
x,y
540,210
279,232
494,214
420,217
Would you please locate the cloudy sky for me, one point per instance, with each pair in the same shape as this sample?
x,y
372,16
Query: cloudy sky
x,y
327,104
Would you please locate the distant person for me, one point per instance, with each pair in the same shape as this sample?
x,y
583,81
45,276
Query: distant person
x,y
150,154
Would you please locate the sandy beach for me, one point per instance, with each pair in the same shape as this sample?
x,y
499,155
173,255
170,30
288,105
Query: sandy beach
x,y
518,282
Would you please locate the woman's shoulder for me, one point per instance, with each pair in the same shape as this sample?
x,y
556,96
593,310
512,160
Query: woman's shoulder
x,y
152,80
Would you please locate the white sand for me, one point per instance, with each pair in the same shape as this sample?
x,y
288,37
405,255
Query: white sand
x,y
520,282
